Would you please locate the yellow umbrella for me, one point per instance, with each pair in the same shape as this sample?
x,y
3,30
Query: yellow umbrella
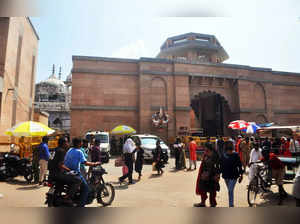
x,y
29,129
122,130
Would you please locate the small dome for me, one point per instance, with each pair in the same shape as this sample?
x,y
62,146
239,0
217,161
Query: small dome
x,y
52,80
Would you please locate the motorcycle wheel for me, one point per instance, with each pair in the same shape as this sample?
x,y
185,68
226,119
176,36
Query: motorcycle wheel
x,y
28,175
106,194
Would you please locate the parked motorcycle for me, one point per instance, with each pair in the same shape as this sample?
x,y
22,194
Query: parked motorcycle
x,y
99,189
12,166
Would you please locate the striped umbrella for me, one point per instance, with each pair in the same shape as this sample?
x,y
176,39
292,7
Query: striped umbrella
x,y
252,128
238,124
29,129
122,130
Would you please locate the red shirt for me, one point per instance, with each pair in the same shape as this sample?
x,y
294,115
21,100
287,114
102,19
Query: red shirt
x,y
274,162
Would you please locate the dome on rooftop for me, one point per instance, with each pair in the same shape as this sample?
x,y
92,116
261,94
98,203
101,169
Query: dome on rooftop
x,y
52,80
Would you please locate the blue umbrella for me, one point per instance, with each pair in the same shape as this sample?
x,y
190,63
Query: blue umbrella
x,y
252,128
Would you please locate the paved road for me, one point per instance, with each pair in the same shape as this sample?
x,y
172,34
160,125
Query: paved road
x,y
172,189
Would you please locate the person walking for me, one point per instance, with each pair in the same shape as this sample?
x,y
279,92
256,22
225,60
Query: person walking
x,y
128,153
178,147
113,144
44,156
245,152
193,155
220,145
158,158
208,177
138,166
231,169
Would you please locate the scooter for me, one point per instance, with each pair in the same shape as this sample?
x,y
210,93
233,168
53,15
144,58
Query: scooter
x,y
12,166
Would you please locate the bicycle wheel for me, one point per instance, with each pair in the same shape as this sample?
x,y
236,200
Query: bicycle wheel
x,y
253,190
106,194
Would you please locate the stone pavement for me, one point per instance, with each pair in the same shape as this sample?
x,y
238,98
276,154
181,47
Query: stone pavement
x,y
172,189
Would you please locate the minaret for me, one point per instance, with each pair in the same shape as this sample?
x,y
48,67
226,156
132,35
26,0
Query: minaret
x,y
59,74
53,69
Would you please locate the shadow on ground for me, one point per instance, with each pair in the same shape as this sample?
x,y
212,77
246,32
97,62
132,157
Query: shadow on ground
x,y
28,188
272,199
19,182
155,176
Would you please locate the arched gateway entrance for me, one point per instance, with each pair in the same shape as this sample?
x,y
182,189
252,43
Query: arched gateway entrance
x,y
211,113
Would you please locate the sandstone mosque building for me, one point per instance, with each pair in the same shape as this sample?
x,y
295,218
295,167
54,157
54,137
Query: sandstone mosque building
x,y
189,81
53,96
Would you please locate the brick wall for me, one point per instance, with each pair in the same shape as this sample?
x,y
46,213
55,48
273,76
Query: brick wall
x,y
19,28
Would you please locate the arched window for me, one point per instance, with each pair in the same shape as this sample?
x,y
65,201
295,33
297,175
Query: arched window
x,y
259,97
158,93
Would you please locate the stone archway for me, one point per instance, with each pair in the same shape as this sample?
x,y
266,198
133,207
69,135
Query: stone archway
x,y
211,113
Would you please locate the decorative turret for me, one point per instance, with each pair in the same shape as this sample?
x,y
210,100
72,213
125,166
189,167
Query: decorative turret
x,y
193,47
59,74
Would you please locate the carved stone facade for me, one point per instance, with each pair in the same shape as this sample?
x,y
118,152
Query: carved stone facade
x,y
195,94
54,97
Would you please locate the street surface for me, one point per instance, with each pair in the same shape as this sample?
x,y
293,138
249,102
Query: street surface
x,y
172,189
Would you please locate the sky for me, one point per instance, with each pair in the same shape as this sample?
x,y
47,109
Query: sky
x,y
258,33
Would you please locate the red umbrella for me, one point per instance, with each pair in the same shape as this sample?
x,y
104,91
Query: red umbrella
x,y
239,124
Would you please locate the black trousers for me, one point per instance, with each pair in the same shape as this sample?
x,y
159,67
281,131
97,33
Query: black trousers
x,y
297,202
177,159
129,163
71,180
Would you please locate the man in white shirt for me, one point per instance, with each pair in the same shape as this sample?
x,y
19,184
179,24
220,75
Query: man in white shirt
x,y
294,145
128,152
255,155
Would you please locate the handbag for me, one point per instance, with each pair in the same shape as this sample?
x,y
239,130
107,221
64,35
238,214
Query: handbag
x,y
125,170
119,162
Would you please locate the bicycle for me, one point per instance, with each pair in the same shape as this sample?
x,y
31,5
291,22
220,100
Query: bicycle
x,y
261,182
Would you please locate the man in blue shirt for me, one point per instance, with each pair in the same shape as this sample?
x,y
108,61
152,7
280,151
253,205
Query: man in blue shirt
x,y
73,159
44,156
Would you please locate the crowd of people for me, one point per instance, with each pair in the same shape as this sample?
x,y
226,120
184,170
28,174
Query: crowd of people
x,y
230,160
234,158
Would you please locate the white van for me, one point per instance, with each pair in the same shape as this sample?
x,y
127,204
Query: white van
x,y
103,137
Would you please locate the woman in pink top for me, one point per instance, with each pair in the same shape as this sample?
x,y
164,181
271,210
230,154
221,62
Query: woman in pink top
x,y
193,155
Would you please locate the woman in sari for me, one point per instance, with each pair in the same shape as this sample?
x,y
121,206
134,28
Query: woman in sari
x,y
208,177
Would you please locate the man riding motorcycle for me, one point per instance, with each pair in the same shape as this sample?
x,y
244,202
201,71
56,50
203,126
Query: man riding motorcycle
x,y
58,171
73,159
